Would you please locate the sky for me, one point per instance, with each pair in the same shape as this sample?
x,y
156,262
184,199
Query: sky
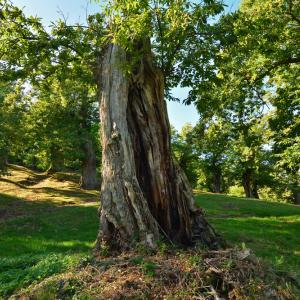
x,y
76,11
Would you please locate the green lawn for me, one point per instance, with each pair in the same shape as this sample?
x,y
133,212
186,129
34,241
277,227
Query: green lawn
x,y
45,228
271,230
48,225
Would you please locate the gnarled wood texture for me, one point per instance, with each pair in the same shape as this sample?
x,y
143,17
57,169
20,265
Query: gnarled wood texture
x,y
144,193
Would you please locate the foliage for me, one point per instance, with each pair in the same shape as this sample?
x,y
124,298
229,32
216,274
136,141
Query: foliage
x,y
184,153
180,33
60,118
211,138
12,109
58,71
255,94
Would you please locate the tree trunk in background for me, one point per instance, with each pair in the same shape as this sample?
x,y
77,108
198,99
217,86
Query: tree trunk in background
x,y
254,190
247,183
3,164
89,179
217,181
57,160
297,197
144,193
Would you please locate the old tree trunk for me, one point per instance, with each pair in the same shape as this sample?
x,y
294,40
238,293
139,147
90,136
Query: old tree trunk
x,y
89,179
144,194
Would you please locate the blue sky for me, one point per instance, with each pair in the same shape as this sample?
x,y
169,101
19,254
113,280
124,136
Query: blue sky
x,y
76,11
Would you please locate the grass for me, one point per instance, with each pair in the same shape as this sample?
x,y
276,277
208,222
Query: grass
x,y
270,229
48,225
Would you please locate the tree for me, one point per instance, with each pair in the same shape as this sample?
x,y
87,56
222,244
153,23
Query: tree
x,y
144,193
59,129
273,62
63,56
12,109
211,137
142,50
257,61
184,152
285,128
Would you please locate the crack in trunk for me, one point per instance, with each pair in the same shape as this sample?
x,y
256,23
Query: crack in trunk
x,y
149,191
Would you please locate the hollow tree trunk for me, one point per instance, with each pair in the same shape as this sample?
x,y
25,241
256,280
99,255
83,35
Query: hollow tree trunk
x,y
89,179
144,193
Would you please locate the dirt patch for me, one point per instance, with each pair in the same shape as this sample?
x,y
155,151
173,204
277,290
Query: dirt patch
x,y
229,274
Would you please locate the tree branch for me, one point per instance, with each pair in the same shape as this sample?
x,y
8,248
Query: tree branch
x,y
291,14
277,64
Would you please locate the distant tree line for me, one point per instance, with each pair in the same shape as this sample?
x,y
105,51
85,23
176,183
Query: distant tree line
x,y
249,103
248,134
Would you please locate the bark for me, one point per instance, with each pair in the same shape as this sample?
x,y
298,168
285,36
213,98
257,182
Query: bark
x,y
297,197
247,183
217,181
144,193
250,185
254,190
57,161
3,164
89,179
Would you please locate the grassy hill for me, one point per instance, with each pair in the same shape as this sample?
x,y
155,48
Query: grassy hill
x,y
48,226
270,229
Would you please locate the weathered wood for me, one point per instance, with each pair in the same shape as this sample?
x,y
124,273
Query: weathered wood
x,y
89,179
144,193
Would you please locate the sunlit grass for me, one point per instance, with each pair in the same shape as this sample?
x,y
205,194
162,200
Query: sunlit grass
x,y
49,225
46,228
270,229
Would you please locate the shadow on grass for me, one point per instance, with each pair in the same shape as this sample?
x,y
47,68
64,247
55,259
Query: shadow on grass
x,y
74,193
270,229
40,238
18,184
275,239
43,226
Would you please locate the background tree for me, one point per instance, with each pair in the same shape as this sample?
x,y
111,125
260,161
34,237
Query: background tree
x,y
61,121
258,46
62,56
12,109
184,152
211,138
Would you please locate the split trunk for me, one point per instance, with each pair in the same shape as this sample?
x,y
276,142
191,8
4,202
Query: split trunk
x,y
144,194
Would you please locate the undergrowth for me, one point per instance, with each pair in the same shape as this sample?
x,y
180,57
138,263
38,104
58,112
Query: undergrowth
x,y
234,274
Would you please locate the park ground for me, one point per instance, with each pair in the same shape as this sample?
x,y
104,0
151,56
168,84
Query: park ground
x,y
48,226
